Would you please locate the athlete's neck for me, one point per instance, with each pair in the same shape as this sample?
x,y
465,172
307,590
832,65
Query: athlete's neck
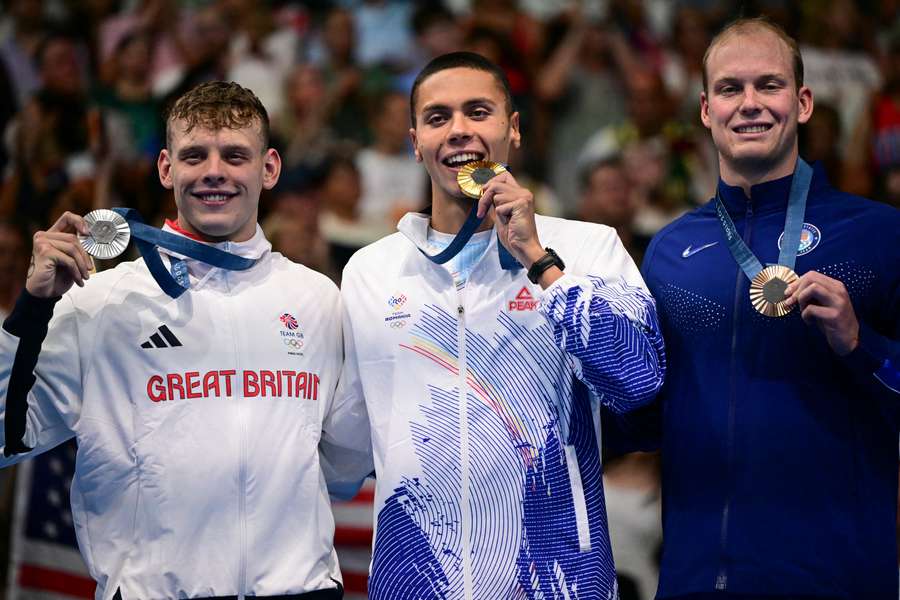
x,y
449,214
747,174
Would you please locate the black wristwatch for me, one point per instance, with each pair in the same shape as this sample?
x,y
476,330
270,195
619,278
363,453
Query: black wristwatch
x,y
551,259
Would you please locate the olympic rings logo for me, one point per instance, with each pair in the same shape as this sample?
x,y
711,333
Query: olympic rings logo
x,y
293,343
398,324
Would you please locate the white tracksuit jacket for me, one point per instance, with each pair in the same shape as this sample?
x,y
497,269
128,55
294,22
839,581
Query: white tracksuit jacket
x,y
484,411
198,422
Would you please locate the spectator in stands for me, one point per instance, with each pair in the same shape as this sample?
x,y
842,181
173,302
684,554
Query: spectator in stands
x,y
664,157
262,51
608,198
346,83
293,224
56,141
392,182
383,33
340,223
14,246
24,32
128,93
582,83
631,486
302,129
436,32
682,61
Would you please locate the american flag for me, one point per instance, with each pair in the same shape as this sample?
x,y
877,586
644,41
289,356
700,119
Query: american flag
x,y
45,563
353,540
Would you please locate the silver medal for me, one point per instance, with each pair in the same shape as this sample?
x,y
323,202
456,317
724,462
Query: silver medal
x,y
109,234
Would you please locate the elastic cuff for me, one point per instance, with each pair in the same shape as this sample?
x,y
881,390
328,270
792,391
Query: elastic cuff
x,y
563,283
863,359
29,312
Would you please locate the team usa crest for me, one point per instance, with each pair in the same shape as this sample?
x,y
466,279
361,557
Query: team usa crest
x,y
291,336
810,236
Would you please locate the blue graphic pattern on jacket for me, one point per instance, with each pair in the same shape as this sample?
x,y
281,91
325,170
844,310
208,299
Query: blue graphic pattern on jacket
x,y
525,538
613,339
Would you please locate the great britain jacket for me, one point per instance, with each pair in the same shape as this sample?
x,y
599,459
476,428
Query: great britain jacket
x,y
199,422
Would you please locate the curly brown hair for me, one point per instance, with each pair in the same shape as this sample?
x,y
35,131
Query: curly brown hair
x,y
218,105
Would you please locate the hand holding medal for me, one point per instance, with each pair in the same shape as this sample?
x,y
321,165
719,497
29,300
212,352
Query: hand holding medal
x,y
826,302
57,259
513,208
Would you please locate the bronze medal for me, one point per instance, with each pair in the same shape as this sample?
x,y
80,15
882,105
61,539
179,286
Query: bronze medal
x,y
767,290
109,234
472,177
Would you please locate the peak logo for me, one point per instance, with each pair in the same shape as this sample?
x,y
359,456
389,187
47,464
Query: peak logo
x,y
523,301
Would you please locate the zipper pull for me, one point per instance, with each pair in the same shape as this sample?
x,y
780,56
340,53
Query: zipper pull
x,y
459,310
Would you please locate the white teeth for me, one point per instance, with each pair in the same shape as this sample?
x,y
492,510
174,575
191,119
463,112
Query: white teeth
x,y
214,197
752,129
461,159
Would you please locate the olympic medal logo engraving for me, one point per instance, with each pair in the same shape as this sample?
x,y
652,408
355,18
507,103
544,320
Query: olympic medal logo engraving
x,y
109,234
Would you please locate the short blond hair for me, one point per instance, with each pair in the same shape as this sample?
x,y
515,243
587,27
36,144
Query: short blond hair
x,y
746,25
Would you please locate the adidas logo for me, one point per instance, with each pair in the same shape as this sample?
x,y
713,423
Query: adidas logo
x,y
157,339
524,301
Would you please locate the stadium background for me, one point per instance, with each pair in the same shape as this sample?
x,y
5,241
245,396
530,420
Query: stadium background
x,y
608,93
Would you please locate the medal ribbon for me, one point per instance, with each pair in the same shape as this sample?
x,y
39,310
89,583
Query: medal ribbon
x,y
793,225
473,221
148,239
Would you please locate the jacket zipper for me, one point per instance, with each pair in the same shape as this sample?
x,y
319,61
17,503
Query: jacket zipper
x,y
242,460
722,576
465,467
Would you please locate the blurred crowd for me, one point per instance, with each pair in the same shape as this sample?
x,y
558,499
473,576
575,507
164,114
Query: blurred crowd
x,y
608,92
607,89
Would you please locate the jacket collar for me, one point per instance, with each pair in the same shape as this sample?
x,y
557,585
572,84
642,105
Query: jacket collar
x,y
414,226
254,248
769,196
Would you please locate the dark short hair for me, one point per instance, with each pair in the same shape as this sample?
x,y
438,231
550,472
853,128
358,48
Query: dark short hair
x,y
586,173
460,60
428,14
218,105
747,25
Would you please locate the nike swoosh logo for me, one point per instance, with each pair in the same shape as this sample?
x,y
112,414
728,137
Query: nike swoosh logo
x,y
690,250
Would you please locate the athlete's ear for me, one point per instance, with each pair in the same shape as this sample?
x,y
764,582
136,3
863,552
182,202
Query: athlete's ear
x,y
164,167
515,133
415,145
806,103
704,110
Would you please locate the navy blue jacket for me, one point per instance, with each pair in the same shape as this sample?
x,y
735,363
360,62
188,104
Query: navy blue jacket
x,y
780,459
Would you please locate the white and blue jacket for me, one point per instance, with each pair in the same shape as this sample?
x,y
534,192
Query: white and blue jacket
x,y
484,406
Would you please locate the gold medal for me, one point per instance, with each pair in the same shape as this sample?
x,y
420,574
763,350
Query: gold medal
x,y
472,177
109,234
767,290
